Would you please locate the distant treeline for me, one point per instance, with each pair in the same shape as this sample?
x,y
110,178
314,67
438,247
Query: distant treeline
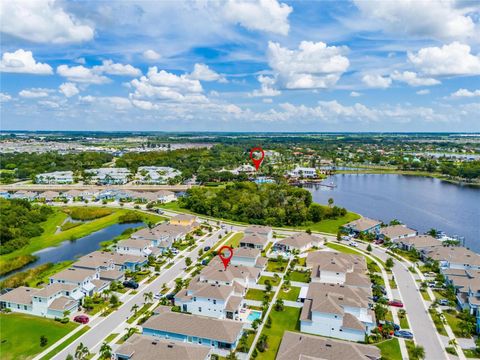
x,y
27,165
19,222
269,204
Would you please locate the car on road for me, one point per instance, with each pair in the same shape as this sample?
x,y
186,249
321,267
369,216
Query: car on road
x,y
346,238
432,284
206,248
395,303
82,319
158,296
443,302
174,251
130,284
353,243
404,334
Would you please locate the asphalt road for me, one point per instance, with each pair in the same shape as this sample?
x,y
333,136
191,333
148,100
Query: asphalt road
x,y
102,327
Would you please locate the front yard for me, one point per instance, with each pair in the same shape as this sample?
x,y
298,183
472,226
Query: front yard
x,y
22,339
390,349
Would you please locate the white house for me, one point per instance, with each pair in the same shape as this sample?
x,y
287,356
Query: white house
x,y
214,273
156,174
453,257
248,257
300,242
265,231
304,172
56,177
337,311
136,247
396,232
78,277
109,176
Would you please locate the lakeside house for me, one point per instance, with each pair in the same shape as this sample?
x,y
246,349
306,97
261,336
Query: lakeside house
x,y
77,276
156,174
140,347
56,177
452,257
162,236
135,247
338,268
109,176
193,329
363,225
337,311
396,232
298,346
299,242
303,172
419,242
219,301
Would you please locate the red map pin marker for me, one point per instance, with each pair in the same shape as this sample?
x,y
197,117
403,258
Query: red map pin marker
x,y
225,259
257,162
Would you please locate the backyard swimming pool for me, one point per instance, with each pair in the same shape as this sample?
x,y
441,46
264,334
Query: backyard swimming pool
x,y
254,315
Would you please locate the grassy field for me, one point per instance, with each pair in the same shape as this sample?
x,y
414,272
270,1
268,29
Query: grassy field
x,y
455,323
256,294
67,342
50,238
343,249
274,281
281,321
390,349
291,295
234,241
300,276
22,340
276,266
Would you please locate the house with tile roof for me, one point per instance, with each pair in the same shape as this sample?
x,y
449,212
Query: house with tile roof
x,y
299,241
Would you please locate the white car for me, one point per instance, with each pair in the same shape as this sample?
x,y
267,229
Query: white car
x,y
345,238
353,243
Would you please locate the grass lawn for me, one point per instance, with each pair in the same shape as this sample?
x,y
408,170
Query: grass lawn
x,y
471,354
438,322
273,280
265,251
110,337
330,225
66,343
49,238
404,323
281,321
392,283
455,323
234,240
300,276
256,294
139,313
22,340
291,295
343,249
425,295
276,266
390,349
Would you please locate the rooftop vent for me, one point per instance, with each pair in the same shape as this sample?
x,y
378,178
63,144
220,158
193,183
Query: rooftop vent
x,y
154,343
328,345
170,346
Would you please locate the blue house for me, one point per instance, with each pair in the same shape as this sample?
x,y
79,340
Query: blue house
x,y
220,334
363,226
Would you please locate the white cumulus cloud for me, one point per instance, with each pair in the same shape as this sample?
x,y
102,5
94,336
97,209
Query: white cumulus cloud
x,y
264,15
465,93
423,92
111,68
34,93
266,87
42,21
81,74
68,89
151,55
412,79
4,97
204,73
377,81
22,61
451,59
313,65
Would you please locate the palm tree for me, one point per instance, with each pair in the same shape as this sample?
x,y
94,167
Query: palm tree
x,y
81,352
134,309
453,342
148,296
279,305
130,332
105,351
418,352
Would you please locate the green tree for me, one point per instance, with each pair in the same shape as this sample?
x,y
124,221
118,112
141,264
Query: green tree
x,y
105,351
389,263
418,352
330,202
134,309
188,261
279,305
262,343
256,323
81,352
369,248
114,300
43,340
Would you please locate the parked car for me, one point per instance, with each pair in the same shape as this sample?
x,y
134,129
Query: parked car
x,y
432,284
346,238
170,297
379,298
396,327
443,302
158,296
82,319
404,334
206,248
174,251
396,303
353,243
379,287
130,284
378,242
205,262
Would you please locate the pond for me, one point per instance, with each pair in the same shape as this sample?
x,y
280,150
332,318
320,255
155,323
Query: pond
x,y
420,202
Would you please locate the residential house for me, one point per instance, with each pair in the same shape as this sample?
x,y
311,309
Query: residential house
x,y
254,241
337,311
109,176
303,172
139,347
265,231
79,277
185,220
299,242
244,169
23,194
72,194
247,256
51,301
56,177
156,174
396,232
215,273
213,300
162,236
129,262
298,346
163,196
103,263
338,268
135,247
363,225
194,329
453,257
49,196
419,242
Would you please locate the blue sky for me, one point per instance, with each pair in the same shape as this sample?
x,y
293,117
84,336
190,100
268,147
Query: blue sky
x,y
238,65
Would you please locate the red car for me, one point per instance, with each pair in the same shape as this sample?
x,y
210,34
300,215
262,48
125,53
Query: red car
x,y
396,303
82,319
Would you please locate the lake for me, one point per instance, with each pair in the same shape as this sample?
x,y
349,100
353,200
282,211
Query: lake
x,y
70,250
421,203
